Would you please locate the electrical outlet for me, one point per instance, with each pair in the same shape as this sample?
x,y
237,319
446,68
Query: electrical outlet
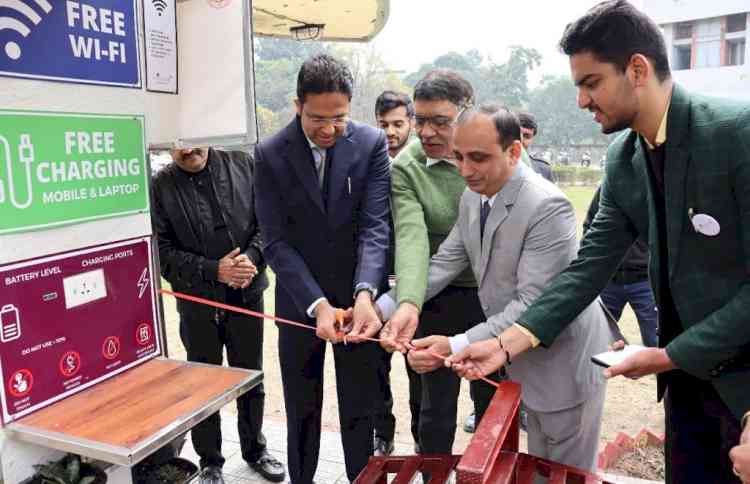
x,y
84,287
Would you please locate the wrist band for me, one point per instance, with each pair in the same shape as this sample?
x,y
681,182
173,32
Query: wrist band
x,y
507,353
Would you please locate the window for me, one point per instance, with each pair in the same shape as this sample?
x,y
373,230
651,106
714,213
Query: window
x,y
708,43
683,30
681,59
736,23
736,52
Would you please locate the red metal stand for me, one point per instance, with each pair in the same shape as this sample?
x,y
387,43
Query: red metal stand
x,y
492,456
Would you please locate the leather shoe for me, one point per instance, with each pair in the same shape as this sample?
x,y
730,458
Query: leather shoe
x,y
470,423
211,475
383,447
269,467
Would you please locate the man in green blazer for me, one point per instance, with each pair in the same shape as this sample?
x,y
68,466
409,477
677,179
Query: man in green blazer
x,y
678,177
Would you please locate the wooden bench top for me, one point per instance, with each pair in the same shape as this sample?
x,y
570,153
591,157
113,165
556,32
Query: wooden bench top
x,y
127,417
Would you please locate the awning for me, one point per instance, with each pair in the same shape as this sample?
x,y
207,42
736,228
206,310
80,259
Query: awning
x,y
333,20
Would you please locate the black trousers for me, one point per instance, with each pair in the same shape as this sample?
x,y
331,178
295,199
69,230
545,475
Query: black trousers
x,y
700,431
452,311
301,355
205,338
385,422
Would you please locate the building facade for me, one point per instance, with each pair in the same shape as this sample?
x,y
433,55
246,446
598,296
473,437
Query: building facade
x,y
707,43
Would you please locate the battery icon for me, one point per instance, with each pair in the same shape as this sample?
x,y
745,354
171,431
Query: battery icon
x,y
10,323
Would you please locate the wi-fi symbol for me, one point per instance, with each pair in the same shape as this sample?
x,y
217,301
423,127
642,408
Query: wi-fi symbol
x,y
12,49
159,5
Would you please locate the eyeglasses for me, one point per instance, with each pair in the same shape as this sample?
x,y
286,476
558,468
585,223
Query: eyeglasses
x,y
439,123
336,121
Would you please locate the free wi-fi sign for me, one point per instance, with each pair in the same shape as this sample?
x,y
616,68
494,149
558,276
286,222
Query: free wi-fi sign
x,y
86,41
12,49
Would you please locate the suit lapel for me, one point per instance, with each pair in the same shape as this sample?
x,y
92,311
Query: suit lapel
x,y
677,162
496,217
505,199
342,155
299,156
474,244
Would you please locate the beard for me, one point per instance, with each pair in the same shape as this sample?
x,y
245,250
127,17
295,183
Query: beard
x,y
614,128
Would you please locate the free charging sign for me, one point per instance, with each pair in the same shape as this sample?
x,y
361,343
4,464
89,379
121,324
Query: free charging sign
x,y
60,168
90,42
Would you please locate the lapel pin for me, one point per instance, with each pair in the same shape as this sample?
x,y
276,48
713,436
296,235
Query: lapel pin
x,y
704,224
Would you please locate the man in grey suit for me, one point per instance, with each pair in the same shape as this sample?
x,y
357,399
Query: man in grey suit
x,y
517,231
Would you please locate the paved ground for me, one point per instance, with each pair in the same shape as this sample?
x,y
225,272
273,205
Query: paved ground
x,y
330,467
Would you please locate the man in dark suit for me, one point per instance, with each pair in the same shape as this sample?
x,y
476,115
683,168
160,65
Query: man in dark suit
x,y
679,177
322,188
529,130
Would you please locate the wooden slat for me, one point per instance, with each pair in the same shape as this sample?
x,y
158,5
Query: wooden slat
x,y
443,469
498,430
557,475
138,403
408,470
373,471
525,470
504,470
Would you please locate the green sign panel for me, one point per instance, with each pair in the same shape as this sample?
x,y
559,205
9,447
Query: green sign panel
x,y
60,168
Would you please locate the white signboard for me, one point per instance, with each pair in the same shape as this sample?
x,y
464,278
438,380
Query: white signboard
x,y
160,32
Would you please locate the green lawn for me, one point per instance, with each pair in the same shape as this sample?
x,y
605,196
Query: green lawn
x,y
581,198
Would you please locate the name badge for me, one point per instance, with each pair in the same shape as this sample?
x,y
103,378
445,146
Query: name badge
x,y
705,224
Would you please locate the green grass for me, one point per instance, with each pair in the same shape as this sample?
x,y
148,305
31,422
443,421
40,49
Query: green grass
x,y
580,197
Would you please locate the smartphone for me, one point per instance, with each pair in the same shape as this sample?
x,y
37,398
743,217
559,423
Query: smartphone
x,y
612,358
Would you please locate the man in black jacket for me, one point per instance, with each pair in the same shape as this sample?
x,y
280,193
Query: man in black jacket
x,y
209,246
630,284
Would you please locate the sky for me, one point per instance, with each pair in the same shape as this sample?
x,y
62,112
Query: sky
x,y
417,31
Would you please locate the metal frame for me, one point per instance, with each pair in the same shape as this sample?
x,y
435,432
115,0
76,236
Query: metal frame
x,y
129,456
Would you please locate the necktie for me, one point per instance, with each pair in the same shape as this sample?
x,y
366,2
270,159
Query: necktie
x,y
319,155
484,212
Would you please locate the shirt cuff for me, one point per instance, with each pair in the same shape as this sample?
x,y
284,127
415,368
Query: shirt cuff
x,y
387,306
458,342
534,340
311,309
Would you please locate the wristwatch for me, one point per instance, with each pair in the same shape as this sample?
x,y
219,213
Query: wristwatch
x,y
366,286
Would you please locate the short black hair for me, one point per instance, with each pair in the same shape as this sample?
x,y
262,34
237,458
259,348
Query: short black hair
x,y
528,121
390,100
444,85
506,122
614,30
323,74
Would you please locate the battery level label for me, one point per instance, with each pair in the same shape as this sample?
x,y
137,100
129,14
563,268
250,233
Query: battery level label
x,y
10,323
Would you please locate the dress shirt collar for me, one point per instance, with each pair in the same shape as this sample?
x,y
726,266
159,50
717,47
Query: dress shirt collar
x,y
491,199
434,161
661,134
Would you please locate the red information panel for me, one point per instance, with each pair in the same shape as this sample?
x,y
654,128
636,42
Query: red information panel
x,y
71,320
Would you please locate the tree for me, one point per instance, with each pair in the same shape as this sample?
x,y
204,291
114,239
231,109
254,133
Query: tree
x,y
561,122
508,83
371,77
277,62
270,49
503,83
